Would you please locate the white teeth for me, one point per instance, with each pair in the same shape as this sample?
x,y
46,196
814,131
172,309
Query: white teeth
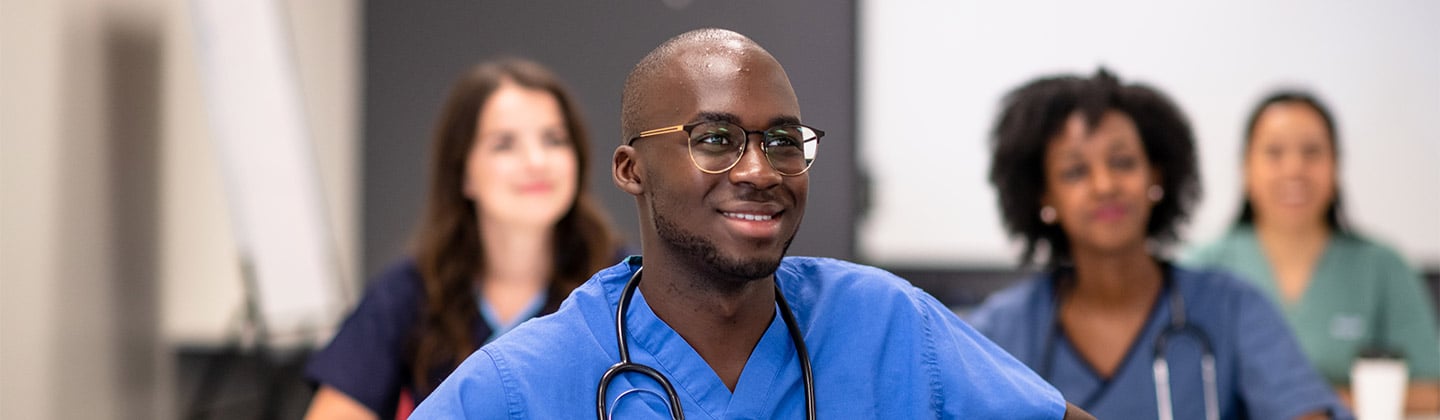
x,y
754,217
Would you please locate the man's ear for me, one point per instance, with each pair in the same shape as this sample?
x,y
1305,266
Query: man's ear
x,y
626,171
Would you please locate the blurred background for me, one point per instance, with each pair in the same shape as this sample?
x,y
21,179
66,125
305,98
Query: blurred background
x,y
123,290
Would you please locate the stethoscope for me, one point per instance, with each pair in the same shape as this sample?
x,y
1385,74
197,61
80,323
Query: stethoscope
x,y
625,365
1160,368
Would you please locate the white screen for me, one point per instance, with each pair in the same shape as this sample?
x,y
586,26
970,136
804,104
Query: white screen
x,y
932,74
272,183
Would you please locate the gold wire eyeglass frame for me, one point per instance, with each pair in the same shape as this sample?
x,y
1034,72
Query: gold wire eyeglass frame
x,y
685,128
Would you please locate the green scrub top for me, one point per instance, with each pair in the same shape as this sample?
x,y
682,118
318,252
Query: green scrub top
x,y
1358,285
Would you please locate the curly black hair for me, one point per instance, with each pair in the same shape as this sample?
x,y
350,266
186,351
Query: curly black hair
x,y
1032,116
1334,216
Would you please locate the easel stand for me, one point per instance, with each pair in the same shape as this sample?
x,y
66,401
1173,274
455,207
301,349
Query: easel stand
x,y
251,339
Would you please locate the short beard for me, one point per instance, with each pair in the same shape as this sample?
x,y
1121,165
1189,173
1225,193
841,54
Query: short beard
x,y
732,273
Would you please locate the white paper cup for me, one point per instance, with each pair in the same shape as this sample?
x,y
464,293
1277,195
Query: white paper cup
x,y
1378,386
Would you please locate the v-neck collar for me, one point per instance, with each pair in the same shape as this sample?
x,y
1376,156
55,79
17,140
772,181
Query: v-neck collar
x,y
693,378
1266,276
1060,345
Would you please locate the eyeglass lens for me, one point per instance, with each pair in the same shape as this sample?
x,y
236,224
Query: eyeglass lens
x,y
717,146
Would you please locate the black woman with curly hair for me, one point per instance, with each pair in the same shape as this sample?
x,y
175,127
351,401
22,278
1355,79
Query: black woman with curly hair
x,y
1095,177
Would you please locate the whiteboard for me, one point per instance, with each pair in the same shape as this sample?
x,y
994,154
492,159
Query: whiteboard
x,y
269,168
946,65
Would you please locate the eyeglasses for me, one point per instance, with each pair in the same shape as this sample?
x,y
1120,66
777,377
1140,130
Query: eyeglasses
x,y
716,146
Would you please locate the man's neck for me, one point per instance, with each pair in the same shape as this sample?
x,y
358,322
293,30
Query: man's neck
x,y
723,325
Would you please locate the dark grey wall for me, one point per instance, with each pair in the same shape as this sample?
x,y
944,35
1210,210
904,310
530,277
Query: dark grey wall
x,y
414,50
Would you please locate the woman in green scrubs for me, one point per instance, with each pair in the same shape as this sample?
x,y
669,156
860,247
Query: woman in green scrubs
x,y
1341,293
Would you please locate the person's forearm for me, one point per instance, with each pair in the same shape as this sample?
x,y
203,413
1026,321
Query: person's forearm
x,y
1075,413
331,404
1423,398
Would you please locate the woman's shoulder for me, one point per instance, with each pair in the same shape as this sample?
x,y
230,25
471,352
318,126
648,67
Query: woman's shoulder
x,y
1236,240
1021,302
398,287
1215,286
1361,249
1026,292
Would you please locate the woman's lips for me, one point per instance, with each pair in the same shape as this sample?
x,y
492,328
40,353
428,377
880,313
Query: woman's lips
x,y
1109,213
536,188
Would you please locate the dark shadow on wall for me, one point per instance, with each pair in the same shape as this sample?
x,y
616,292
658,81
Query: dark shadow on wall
x,y
132,54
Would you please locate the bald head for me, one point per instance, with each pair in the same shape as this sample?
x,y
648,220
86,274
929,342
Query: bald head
x,y
676,65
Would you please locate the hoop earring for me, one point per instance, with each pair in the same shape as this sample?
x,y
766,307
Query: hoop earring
x,y
1155,193
1048,215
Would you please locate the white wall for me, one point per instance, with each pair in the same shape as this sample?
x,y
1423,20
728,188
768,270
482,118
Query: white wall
x,y
110,197
29,199
943,67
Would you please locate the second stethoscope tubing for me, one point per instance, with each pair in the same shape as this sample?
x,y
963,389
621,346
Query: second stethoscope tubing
x,y
1161,366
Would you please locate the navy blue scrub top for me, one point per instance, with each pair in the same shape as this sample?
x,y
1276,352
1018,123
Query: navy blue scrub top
x,y
367,358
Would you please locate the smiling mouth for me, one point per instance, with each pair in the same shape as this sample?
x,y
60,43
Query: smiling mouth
x,y
1109,213
748,216
535,188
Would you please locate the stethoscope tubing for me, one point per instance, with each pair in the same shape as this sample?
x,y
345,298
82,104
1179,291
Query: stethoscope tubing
x,y
676,411
1180,325
625,365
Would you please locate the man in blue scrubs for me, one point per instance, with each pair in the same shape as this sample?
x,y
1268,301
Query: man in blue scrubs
x,y
717,212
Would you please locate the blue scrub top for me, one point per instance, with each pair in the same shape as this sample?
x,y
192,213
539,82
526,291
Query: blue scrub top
x,y
879,348
1260,370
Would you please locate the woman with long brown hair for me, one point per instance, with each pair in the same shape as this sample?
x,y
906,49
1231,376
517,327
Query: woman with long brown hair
x,y
508,231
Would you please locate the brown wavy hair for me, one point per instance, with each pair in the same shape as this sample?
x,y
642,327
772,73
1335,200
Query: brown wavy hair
x,y
447,243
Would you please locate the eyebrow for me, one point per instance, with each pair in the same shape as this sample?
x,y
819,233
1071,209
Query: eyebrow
x,y
733,119
1125,146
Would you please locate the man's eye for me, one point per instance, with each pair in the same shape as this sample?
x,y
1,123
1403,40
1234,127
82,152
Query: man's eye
x,y
781,141
714,139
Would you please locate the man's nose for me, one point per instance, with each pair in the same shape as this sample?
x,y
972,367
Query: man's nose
x,y
753,167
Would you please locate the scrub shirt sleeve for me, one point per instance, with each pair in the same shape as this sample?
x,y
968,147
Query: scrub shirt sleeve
x,y
974,378
475,390
1276,380
1202,256
1409,317
364,360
